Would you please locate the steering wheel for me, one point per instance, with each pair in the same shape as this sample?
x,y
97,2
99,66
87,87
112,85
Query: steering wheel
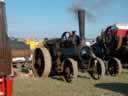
x,y
65,36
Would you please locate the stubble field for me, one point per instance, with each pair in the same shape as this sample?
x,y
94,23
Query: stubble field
x,y
83,86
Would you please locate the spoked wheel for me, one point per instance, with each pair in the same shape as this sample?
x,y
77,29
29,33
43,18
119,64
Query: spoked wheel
x,y
41,62
70,70
114,67
97,68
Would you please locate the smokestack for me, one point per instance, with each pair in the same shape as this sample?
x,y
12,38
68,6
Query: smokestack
x,y
5,51
81,21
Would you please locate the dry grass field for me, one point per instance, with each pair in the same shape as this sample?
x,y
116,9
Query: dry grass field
x,y
83,86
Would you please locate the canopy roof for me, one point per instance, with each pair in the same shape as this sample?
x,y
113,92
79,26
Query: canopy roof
x,y
122,26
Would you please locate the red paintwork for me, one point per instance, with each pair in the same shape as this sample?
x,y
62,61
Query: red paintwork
x,y
6,86
122,32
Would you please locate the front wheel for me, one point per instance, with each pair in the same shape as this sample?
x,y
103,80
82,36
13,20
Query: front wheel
x,y
114,66
97,68
70,70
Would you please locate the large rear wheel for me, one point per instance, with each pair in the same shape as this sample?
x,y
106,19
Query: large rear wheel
x,y
70,70
41,62
97,68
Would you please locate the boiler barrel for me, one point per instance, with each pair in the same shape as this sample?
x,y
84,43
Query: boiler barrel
x,y
69,52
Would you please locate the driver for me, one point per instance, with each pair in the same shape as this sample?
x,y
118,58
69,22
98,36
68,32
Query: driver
x,y
70,36
73,38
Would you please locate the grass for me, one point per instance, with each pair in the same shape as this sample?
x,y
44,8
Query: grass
x,y
83,86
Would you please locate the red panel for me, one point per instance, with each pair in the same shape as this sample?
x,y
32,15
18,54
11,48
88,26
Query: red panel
x,y
2,86
9,81
6,86
122,32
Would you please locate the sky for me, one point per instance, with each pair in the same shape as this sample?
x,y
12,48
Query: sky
x,y
50,18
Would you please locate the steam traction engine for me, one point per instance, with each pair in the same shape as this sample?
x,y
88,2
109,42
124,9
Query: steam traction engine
x,y
66,55
113,42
